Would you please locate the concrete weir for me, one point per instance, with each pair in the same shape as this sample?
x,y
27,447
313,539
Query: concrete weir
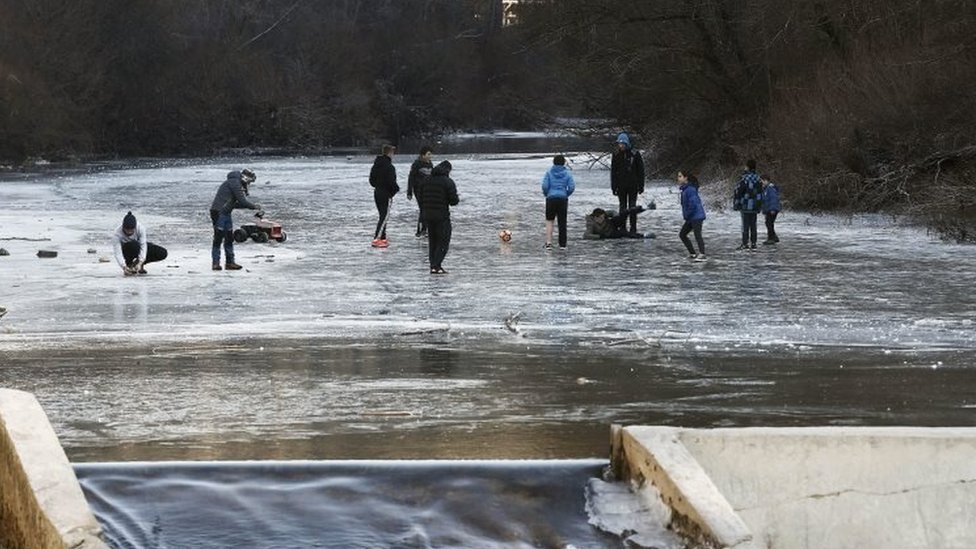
x,y
809,487
41,502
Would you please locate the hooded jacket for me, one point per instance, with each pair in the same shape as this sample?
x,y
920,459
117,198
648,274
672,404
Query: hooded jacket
x,y
419,172
230,195
691,204
382,177
438,194
770,203
626,169
558,183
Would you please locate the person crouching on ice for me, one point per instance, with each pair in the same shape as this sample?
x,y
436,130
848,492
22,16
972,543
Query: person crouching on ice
x,y
132,250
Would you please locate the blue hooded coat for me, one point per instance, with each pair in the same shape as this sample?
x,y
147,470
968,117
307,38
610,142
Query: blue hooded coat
x,y
558,182
691,204
770,198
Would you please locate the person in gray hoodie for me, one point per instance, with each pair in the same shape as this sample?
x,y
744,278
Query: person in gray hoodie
x,y
231,194
557,186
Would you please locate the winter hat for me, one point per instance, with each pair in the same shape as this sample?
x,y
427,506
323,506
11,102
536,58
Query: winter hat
x,y
129,221
444,167
623,138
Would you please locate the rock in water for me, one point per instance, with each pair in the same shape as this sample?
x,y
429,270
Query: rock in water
x,y
47,253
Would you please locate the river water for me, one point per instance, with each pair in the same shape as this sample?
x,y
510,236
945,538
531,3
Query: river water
x,y
326,349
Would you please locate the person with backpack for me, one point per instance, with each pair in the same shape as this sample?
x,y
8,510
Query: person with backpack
x,y
420,172
627,178
557,186
693,213
770,209
747,200
231,194
438,194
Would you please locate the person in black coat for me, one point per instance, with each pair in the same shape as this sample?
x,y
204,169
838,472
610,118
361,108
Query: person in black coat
x,y
382,177
437,196
419,172
627,178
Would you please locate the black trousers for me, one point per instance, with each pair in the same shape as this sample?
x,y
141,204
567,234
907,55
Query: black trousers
x,y
683,235
438,241
629,200
383,207
130,252
771,226
556,208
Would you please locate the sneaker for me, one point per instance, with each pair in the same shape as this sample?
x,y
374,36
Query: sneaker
x,y
693,256
548,245
380,243
142,271
752,247
217,267
742,247
231,266
700,257
767,242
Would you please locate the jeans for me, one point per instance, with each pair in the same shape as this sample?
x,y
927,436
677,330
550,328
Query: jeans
x,y
223,232
629,200
749,228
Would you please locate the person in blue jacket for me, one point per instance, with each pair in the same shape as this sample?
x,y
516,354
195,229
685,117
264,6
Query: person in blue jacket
x,y
693,213
770,209
747,200
557,186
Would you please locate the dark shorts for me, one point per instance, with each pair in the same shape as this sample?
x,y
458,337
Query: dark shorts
x,y
555,207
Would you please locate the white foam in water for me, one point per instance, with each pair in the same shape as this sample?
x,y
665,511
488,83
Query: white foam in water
x,y
639,518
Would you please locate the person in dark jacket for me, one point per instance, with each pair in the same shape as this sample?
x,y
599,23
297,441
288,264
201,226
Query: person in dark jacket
x,y
748,201
693,213
438,194
420,172
231,194
770,209
382,177
557,186
627,177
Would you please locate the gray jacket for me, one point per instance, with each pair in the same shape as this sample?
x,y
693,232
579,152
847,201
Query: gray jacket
x,y
231,195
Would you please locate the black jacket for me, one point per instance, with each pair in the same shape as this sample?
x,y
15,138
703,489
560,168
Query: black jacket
x,y
382,177
627,172
438,194
419,172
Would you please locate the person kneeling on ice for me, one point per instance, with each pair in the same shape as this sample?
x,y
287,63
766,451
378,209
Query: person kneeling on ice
x,y
601,224
132,250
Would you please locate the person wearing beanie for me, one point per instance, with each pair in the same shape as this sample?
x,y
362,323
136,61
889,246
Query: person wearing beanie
x,y
231,194
132,250
693,213
438,194
627,178
557,186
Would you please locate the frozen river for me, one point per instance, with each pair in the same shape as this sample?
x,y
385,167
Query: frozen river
x,y
324,347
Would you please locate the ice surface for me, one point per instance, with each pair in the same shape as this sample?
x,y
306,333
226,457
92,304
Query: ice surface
x,y
854,282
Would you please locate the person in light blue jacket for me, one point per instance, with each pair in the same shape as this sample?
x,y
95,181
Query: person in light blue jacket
x,y
693,213
770,209
557,186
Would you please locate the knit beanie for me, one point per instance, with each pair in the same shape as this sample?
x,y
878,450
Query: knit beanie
x,y
129,221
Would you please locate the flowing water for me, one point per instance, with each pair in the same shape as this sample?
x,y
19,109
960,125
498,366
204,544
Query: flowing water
x,y
326,349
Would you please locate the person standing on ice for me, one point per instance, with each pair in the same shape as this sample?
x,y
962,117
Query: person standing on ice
x,y
438,194
382,177
747,200
557,186
231,194
770,209
627,178
132,250
420,172
693,213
